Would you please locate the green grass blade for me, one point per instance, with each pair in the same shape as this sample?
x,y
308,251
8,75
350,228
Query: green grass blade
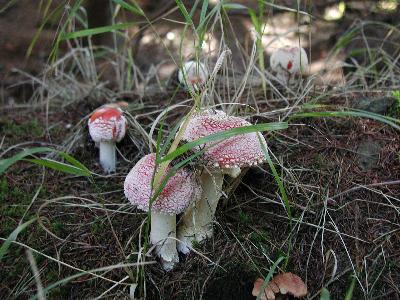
x,y
349,293
6,163
64,27
203,11
266,3
94,31
203,14
132,8
345,39
234,6
278,181
185,14
158,142
225,135
13,236
351,113
47,17
9,4
325,294
172,172
75,162
267,279
208,17
75,167
254,20
59,166
169,139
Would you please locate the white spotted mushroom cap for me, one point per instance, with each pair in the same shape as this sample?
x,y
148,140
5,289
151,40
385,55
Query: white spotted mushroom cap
x,y
237,151
291,59
196,73
180,191
107,124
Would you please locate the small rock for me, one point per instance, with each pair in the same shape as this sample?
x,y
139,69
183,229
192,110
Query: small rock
x,y
368,154
381,105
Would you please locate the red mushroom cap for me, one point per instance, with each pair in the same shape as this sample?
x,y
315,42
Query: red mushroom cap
x,y
180,190
238,151
107,124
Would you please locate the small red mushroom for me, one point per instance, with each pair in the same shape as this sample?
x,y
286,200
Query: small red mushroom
x,y
287,61
107,126
193,75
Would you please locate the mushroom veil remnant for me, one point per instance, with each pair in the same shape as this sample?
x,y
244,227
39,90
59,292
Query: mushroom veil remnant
x,y
107,126
193,74
180,190
224,157
288,61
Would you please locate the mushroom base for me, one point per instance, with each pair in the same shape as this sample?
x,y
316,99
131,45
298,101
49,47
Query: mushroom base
x,y
198,219
163,235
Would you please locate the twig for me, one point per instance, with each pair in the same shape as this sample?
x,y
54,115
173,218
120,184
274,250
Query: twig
x,y
356,188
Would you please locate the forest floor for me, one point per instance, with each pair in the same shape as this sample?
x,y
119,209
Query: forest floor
x,y
341,176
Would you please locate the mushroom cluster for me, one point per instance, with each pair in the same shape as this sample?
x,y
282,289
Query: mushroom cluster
x,y
193,193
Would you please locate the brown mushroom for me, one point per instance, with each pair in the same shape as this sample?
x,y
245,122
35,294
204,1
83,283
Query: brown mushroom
x,y
286,283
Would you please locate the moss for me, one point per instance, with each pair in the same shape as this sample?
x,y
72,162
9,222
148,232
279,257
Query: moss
x,y
395,110
32,128
244,218
3,190
13,211
59,292
58,228
7,226
259,237
98,227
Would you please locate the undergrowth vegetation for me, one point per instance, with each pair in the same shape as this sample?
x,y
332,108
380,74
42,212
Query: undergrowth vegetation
x,y
324,205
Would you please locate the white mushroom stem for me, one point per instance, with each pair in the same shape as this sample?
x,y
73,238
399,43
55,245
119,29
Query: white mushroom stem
x,y
283,77
107,156
163,235
197,222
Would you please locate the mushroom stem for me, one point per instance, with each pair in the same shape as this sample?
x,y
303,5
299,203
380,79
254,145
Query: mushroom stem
x,y
163,235
107,156
283,77
197,220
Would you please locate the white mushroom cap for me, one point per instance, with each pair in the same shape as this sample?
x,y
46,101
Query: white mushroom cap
x,y
196,73
107,124
290,59
235,152
180,191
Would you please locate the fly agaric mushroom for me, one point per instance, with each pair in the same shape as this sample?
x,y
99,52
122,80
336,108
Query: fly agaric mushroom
x,y
180,190
225,157
107,126
288,61
286,283
193,75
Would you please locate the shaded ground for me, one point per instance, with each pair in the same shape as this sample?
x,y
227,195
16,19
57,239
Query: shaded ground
x,y
360,227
